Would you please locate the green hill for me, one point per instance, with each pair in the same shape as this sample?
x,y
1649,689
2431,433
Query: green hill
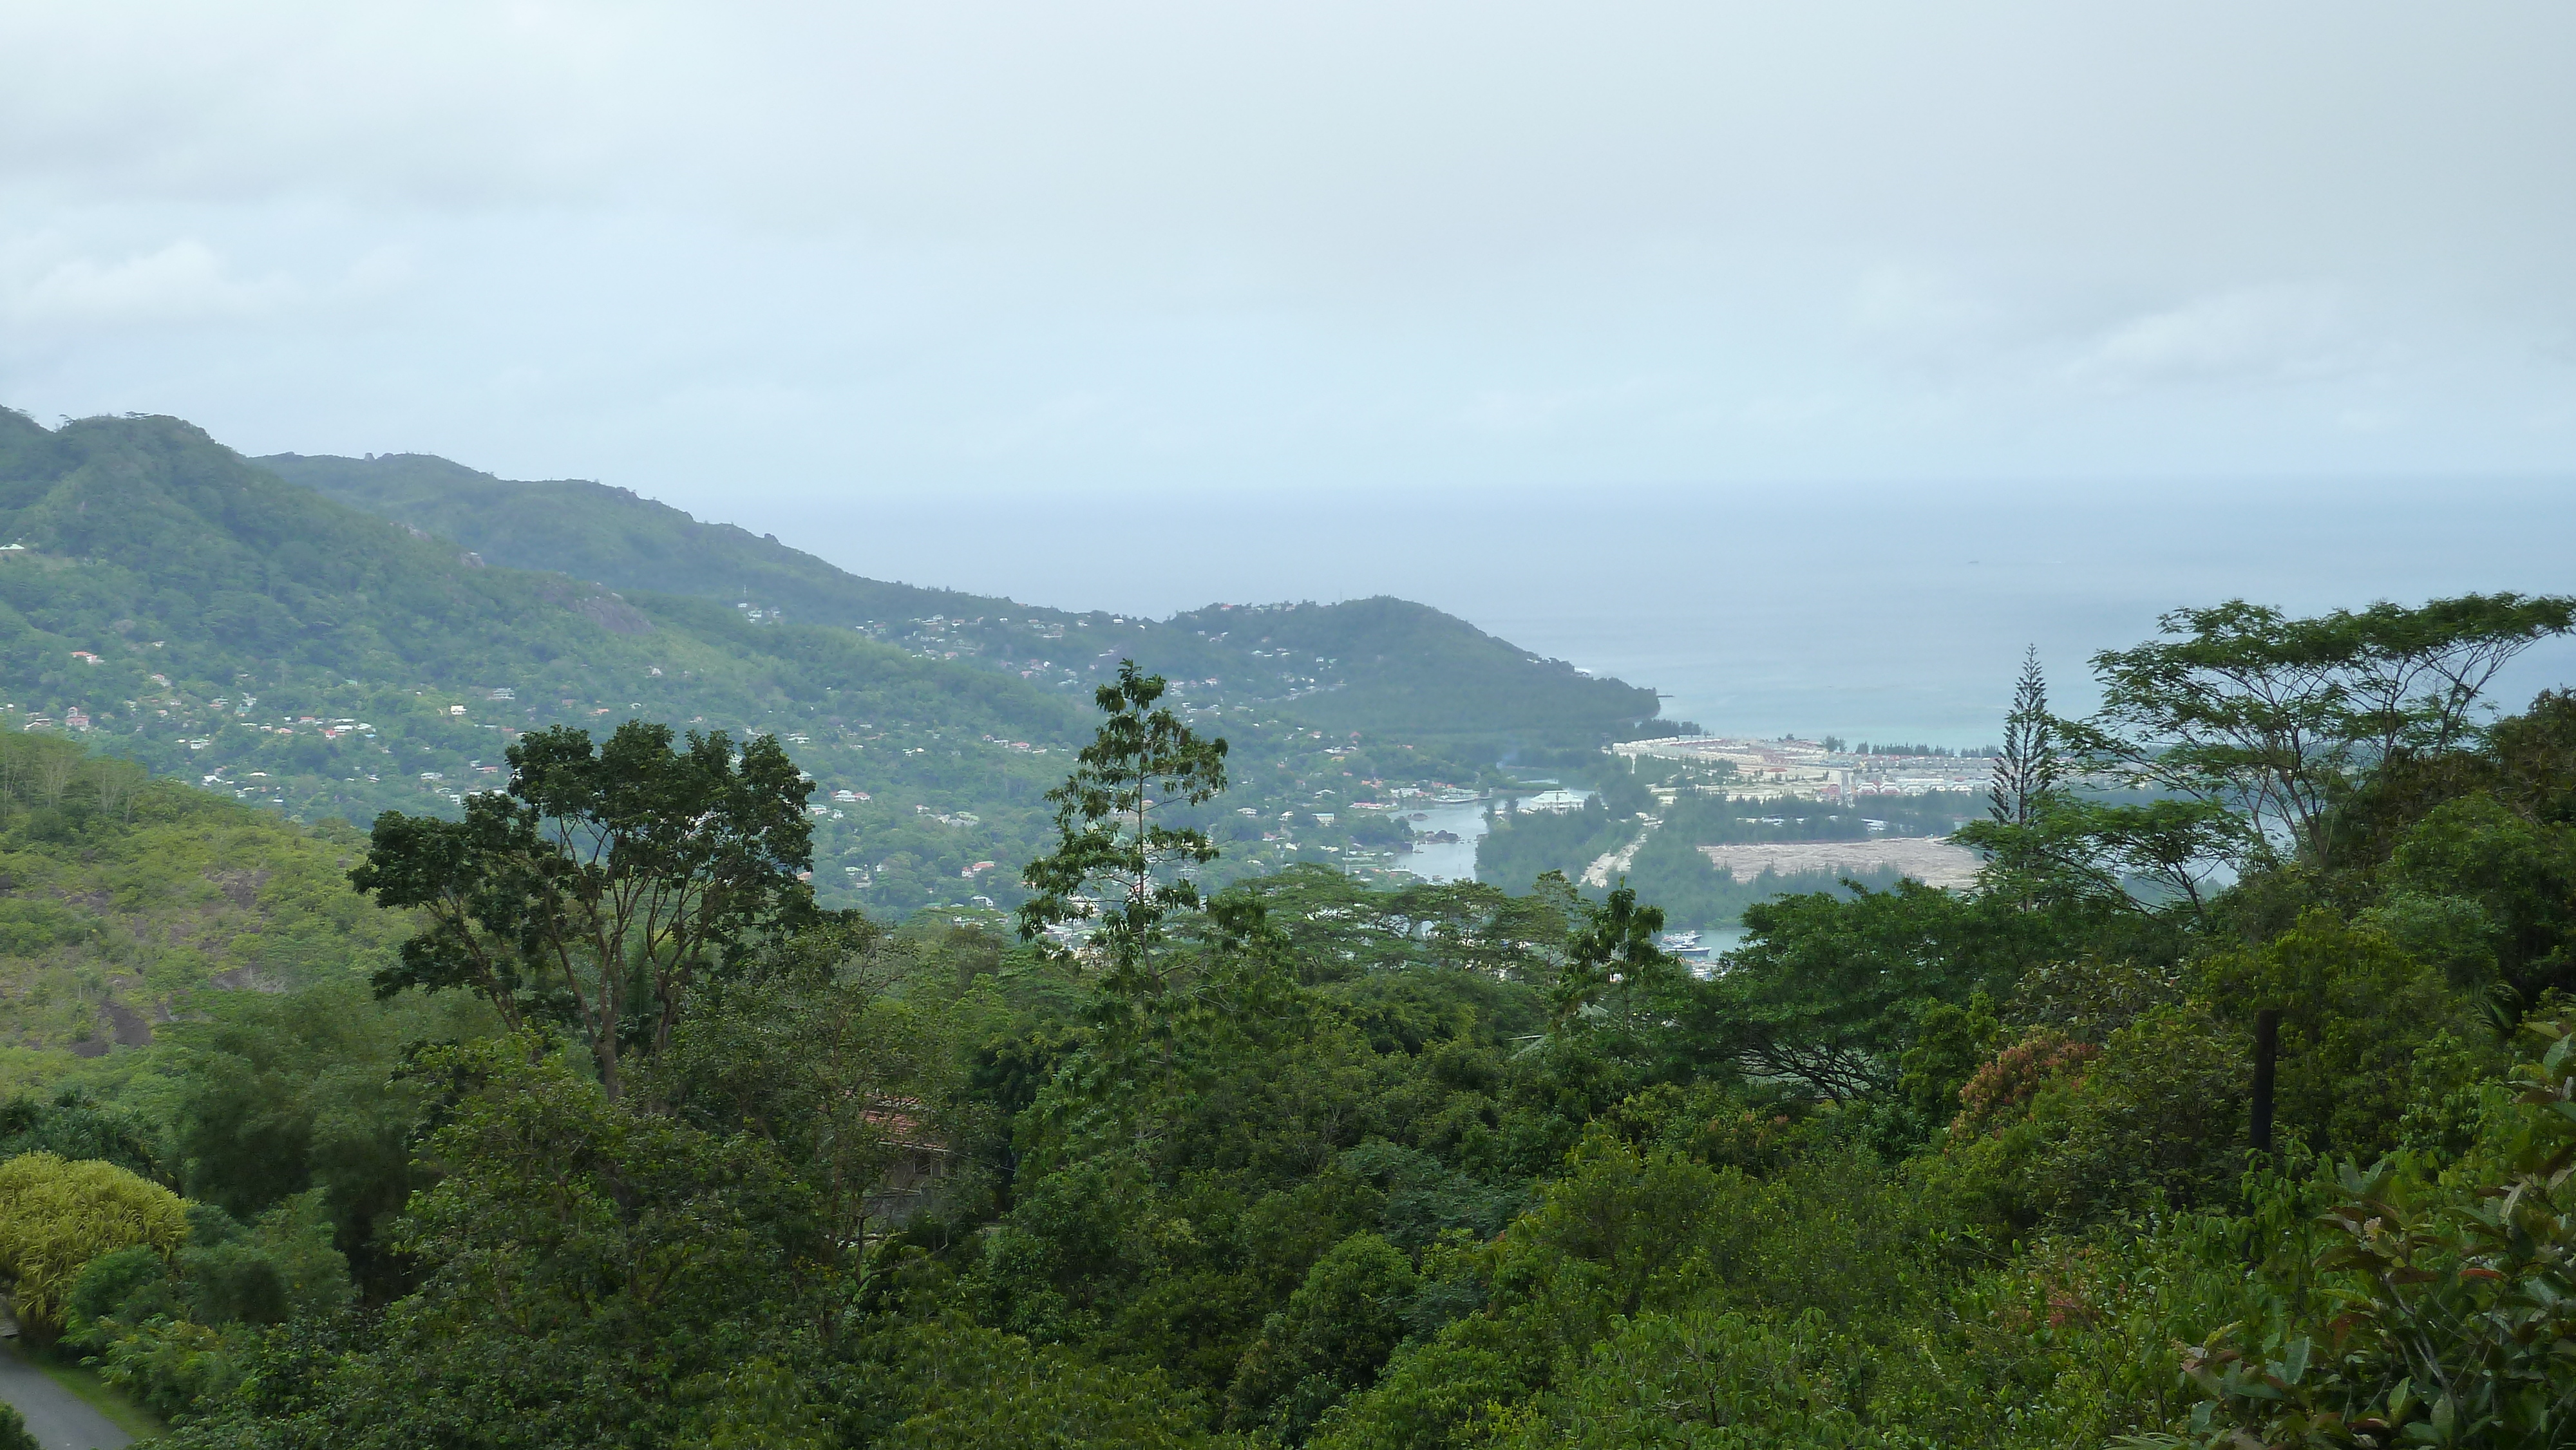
x,y
193,612
185,608
1380,666
592,531
126,895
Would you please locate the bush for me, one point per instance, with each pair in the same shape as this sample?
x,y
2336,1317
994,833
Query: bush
x,y
56,1215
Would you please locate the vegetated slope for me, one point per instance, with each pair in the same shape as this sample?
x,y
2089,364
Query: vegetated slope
x,y
1366,662
1380,666
195,613
199,615
124,896
593,531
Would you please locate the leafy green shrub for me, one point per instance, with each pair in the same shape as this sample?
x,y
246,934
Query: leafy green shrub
x,y
2002,1088
181,1333
57,1214
2157,1117
2354,1007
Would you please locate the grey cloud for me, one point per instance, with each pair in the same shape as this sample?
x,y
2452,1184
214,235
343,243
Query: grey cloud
x,y
875,246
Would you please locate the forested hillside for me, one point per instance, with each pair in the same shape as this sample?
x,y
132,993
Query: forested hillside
x,y
1385,667
2274,1155
594,532
178,606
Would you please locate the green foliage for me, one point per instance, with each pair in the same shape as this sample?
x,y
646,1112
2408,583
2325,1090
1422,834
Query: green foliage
x,y
2276,718
2488,894
1437,1166
2355,1009
605,885
979,1388
1950,1042
73,1125
2026,775
843,1080
57,1214
181,1334
1354,1307
2447,1312
278,1094
1612,966
14,1434
1109,839
594,1276
1699,1378
2155,1120
1829,990
129,898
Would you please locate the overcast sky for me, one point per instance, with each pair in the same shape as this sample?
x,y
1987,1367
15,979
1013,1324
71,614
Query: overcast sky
x,y
1798,307
853,248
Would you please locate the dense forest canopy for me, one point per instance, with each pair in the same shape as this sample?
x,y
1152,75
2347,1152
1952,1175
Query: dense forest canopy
x,y
1294,1160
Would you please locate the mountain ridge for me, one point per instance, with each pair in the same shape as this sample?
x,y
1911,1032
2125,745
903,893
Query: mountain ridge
x,y
1375,663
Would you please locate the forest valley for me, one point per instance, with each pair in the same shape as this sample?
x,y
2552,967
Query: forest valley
x,y
2234,1107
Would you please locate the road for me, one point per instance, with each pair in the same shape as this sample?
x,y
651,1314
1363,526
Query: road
x,y
60,1419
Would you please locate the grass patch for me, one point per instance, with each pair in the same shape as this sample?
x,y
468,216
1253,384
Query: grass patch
x,y
103,1397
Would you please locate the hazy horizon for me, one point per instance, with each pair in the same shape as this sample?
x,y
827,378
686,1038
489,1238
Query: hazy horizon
x,y
1420,298
1730,604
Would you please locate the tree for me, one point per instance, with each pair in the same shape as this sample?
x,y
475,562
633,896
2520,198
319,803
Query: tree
x,y
1613,946
838,1078
2419,672
2026,773
1336,1332
2449,1300
2276,718
1108,840
1830,990
592,1275
604,884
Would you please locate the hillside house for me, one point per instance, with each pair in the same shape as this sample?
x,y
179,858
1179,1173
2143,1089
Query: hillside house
x,y
917,1162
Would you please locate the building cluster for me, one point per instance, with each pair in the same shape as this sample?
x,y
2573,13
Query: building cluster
x,y
1792,769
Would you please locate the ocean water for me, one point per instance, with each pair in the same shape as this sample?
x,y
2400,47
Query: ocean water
x,y
1873,612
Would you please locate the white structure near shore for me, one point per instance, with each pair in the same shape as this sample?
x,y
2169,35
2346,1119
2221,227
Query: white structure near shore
x,y
1790,769
1932,861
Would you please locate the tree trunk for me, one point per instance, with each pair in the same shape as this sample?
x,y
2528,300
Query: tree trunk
x,y
2267,1048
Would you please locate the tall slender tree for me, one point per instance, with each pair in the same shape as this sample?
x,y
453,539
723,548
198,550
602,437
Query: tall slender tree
x,y
2028,769
1115,864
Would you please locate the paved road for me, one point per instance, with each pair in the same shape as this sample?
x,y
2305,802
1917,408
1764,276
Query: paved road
x,y
61,1419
